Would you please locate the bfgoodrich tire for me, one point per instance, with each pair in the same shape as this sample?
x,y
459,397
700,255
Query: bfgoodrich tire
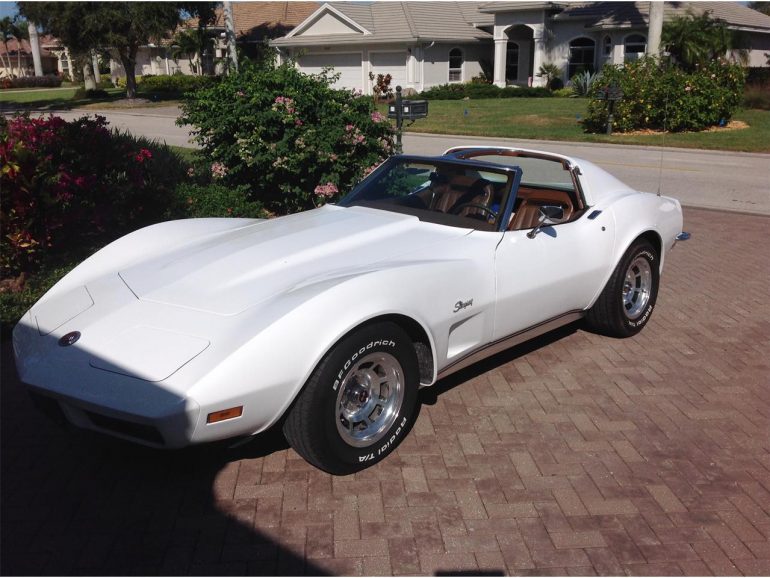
x,y
359,402
626,303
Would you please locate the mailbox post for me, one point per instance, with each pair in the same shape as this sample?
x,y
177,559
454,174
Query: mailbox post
x,y
611,93
405,110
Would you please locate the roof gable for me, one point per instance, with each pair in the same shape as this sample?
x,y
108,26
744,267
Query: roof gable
x,y
328,20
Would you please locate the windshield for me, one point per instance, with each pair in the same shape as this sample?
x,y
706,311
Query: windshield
x,y
458,194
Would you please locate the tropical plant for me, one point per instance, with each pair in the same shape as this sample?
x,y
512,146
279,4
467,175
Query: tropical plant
x,y
190,43
583,82
695,40
6,33
69,183
550,72
20,32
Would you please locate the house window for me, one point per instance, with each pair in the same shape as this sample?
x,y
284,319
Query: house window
x,y
455,65
512,62
581,56
607,47
636,46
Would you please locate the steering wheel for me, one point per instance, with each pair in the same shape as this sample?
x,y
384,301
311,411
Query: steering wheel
x,y
456,210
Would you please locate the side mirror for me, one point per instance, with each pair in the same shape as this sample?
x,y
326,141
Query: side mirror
x,y
549,215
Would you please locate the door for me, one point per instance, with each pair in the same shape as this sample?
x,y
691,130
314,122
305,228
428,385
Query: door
x,y
347,65
393,63
560,270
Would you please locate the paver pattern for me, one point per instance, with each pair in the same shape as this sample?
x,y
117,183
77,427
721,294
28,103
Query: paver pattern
x,y
575,454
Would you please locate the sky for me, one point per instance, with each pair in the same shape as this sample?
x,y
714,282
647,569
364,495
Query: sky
x,y
8,9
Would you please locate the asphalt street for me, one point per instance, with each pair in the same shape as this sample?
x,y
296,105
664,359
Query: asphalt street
x,y
707,179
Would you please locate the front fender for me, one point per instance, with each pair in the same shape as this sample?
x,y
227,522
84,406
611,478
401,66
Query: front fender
x,y
267,371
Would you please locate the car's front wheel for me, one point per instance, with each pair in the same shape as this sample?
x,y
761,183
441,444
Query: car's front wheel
x,y
358,404
626,303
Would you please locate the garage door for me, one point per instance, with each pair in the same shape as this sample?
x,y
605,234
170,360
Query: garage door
x,y
393,63
348,66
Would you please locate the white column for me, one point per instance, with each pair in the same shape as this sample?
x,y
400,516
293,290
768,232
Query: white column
x,y
501,47
539,57
35,47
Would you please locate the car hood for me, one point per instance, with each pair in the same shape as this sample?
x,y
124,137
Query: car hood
x,y
226,273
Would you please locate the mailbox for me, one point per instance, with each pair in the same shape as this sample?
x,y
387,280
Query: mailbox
x,y
410,109
611,92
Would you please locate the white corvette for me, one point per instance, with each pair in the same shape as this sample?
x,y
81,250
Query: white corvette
x,y
330,320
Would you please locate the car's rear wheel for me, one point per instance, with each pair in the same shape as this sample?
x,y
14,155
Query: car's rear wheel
x,y
359,402
626,303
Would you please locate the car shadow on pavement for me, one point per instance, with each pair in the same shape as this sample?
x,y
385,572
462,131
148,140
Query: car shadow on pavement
x,y
77,503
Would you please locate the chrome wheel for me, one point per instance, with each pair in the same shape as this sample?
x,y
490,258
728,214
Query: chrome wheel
x,y
369,399
637,288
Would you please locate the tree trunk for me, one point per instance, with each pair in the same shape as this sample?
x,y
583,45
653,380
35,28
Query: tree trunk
x,y
655,28
128,60
88,76
34,46
95,60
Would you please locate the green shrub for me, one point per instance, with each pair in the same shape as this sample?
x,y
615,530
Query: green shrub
x,y
289,138
215,200
68,184
564,92
459,91
176,83
660,97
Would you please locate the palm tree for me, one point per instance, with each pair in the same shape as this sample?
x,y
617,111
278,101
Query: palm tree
x,y
6,33
190,43
696,40
20,32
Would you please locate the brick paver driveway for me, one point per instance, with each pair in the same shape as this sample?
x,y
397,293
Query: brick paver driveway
x,y
575,454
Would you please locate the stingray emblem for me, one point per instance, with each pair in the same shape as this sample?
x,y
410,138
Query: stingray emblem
x,y
69,339
460,305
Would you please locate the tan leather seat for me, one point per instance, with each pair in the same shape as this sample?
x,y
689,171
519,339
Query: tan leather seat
x,y
528,213
479,192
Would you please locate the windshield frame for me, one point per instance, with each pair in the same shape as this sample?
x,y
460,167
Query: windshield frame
x,y
511,173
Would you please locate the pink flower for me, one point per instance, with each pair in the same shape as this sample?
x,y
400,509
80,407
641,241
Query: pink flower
x,y
360,138
191,172
378,117
143,155
349,127
687,88
218,170
327,190
298,122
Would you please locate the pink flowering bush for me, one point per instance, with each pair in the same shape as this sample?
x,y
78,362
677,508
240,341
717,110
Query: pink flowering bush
x,y
658,96
66,183
289,139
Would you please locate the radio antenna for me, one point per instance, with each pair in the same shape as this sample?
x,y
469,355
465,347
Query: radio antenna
x,y
663,142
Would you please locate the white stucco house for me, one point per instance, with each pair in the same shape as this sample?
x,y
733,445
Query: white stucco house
x,y
424,44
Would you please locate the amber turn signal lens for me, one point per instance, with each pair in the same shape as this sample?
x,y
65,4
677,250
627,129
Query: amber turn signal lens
x,y
224,414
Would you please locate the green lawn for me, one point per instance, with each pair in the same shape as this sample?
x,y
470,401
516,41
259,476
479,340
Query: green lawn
x,y
559,119
64,98
525,118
